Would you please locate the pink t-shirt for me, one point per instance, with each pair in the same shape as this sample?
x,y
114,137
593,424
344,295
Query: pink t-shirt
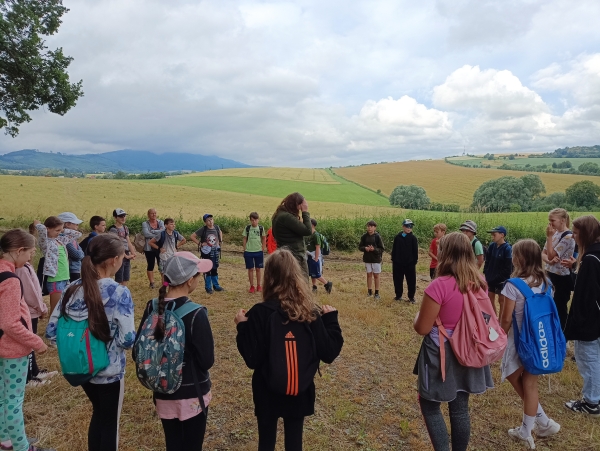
x,y
444,290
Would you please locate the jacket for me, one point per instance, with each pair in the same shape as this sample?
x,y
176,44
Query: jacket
x,y
498,264
583,321
253,345
199,351
289,232
49,247
32,292
150,233
374,240
76,254
405,250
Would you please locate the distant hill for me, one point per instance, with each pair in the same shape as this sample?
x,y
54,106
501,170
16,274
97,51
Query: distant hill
x,y
120,160
571,152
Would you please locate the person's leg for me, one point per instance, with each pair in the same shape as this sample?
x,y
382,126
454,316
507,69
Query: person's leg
x,y
562,295
530,402
107,401
173,429
54,296
193,432
376,280
370,281
516,380
436,426
13,376
432,273
258,279
33,366
150,259
251,277
587,356
215,277
293,429
267,433
492,296
126,267
411,281
397,276
460,421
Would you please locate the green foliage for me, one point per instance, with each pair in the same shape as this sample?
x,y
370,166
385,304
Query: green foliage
x,y
534,184
437,206
31,75
511,157
589,167
583,194
121,175
562,165
410,196
572,152
554,200
501,194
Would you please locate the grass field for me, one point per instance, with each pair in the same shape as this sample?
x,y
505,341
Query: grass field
x,y
293,174
366,400
444,182
522,161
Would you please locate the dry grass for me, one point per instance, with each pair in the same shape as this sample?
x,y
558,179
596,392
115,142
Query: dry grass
x,y
366,400
443,182
292,174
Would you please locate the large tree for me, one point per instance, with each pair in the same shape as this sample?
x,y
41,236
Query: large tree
x,y
32,76
583,194
508,193
410,196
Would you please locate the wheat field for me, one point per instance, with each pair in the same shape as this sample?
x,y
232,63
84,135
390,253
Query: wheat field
x,y
292,174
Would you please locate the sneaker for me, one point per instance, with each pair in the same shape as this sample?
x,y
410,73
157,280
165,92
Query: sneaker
x,y
412,301
527,441
152,285
370,293
6,446
45,374
37,448
398,298
377,296
328,287
251,290
314,288
36,382
580,406
209,291
218,288
259,288
546,431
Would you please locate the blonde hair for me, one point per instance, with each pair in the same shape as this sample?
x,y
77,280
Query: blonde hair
x,y
561,213
457,259
527,258
441,227
285,282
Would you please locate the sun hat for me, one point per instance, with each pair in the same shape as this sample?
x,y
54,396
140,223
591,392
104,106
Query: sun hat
x,y
67,216
184,265
206,216
499,229
408,223
469,226
119,212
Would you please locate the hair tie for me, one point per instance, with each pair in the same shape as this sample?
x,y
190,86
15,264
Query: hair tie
x,y
165,284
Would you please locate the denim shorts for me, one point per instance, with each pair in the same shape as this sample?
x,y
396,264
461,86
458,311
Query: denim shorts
x,y
56,287
254,259
124,272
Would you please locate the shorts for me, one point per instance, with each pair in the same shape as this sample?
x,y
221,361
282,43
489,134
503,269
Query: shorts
x,y
254,259
124,272
56,286
374,268
315,268
496,288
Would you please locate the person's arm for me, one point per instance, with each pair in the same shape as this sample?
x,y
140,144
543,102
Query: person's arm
x,y
194,238
394,249
202,341
479,256
123,316
415,249
251,339
10,315
42,235
146,231
549,248
263,239
506,314
431,254
362,244
153,244
68,235
379,243
425,319
74,252
479,261
244,239
132,253
328,335
303,228
220,234
181,242
317,252
145,315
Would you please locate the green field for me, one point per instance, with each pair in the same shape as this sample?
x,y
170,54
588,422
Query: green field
x,y
523,161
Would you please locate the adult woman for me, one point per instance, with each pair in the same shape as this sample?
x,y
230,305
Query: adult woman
x,y
16,249
291,223
152,229
583,321
560,245
108,307
457,272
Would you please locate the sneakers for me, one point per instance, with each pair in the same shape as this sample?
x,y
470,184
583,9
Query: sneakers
x,y
258,288
314,289
36,382
45,374
398,298
251,290
152,285
412,301
377,296
516,435
546,431
581,406
370,293
328,287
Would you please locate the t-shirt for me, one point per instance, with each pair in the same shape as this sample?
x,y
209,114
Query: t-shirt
x,y
444,290
478,246
254,243
433,248
564,248
122,232
211,238
169,245
62,272
313,241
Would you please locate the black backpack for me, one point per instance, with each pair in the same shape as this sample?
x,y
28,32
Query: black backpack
x,y
41,277
85,243
11,275
293,360
261,230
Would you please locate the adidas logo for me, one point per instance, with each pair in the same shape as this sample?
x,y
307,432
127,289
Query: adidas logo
x,y
289,335
70,334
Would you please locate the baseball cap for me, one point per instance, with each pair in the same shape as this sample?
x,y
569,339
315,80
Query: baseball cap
x,y
184,265
408,223
469,226
67,216
499,229
206,216
119,212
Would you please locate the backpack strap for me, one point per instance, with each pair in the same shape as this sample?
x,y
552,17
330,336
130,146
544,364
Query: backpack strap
x,y
521,286
248,230
186,308
564,234
5,275
442,334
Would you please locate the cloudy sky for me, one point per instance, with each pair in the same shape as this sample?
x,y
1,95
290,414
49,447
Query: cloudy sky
x,y
314,83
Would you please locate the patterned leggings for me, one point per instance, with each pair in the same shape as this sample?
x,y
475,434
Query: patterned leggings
x,y
13,376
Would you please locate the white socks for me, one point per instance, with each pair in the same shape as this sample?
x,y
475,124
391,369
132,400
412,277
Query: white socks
x,y
527,426
541,416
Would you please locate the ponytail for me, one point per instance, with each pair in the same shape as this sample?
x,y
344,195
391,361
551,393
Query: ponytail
x,y
159,330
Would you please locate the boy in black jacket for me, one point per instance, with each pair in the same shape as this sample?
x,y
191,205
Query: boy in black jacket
x,y
405,255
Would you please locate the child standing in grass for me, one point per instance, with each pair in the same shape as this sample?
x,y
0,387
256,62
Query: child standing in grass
x,y
122,231
527,259
315,259
167,243
498,266
405,255
372,247
74,250
209,239
98,226
254,244
439,230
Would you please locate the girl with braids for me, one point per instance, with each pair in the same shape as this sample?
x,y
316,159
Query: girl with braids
x,y
286,293
183,421
108,307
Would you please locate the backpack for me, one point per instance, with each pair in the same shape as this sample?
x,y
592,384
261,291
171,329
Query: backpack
x,y
325,248
541,344
5,275
485,248
478,340
261,230
271,243
163,236
139,242
80,353
85,243
293,360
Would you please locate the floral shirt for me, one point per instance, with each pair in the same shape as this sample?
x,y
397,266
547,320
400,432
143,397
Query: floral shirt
x,y
564,248
119,311
49,246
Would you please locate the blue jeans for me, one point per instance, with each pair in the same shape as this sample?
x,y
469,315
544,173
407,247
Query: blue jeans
x,y
587,355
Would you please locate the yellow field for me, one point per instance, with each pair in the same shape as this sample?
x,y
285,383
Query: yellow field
x,y
293,174
443,182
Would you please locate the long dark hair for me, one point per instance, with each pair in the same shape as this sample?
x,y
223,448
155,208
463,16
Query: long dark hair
x,y
100,249
588,233
289,204
159,329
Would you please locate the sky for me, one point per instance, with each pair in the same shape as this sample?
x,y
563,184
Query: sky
x,y
318,84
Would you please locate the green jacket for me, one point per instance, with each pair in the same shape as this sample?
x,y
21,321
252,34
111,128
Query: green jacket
x,y
290,233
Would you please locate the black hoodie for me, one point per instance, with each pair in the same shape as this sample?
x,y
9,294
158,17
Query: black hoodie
x,y
405,250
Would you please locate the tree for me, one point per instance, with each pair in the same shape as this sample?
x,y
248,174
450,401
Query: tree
x,y
410,196
590,167
583,194
32,76
508,193
534,184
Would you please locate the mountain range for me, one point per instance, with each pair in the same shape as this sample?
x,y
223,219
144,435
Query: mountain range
x,y
120,160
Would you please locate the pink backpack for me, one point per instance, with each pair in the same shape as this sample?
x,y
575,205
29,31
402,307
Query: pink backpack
x,y
478,340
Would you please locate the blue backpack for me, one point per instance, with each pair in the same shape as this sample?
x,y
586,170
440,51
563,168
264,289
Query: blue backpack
x,y
541,344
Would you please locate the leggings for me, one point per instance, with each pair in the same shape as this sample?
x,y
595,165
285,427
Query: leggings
x,y
152,257
33,367
267,433
460,423
562,294
13,376
107,401
185,435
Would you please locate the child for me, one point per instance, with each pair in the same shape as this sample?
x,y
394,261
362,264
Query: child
x,y
119,228
315,259
439,230
180,413
18,340
498,266
371,245
527,259
254,244
286,296
405,255
53,239
98,226
75,252
469,228
108,307
209,239
168,242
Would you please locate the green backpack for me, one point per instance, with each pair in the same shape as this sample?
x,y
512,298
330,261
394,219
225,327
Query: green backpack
x,y
81,355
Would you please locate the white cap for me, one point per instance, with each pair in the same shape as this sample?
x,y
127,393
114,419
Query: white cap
x,y
67,216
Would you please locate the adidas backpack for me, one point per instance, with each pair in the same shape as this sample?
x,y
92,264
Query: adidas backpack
x,y
541,344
